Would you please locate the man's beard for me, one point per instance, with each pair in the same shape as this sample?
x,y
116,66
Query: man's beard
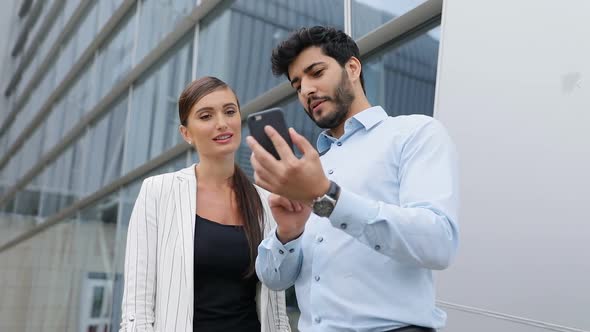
x,y
343,97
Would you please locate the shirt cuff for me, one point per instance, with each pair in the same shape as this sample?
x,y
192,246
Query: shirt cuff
x,y
281,252
352,212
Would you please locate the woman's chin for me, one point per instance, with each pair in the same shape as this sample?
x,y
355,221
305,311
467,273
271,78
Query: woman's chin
x,y
221,152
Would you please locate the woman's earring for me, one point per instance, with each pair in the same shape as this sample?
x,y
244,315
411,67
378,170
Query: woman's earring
x,y
190,142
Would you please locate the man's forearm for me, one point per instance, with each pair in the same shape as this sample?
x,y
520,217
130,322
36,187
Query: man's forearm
x,y
278,265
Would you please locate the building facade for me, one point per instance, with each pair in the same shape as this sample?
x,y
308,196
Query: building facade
x,y
89,92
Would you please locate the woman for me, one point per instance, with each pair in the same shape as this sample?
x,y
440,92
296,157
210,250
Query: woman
x,y
193,234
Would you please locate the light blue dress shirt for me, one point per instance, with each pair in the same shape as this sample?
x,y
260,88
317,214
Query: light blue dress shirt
x,y
369,266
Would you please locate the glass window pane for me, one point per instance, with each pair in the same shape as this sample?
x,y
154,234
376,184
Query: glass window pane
x,y
57,194
13,168
40,281
30,151
367,15
69,7
106,142
54,127
114,59
50,280
27,202
86,30
60,181
153,126
167,13
66,58
77,173
235,43
402,79
106,8
79,99
52,34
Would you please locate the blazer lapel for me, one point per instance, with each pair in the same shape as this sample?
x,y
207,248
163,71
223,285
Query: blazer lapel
x,y
185,195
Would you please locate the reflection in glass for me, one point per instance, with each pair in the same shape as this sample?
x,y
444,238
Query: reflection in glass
x,y
402,78
167,13
106,8
97,298
61,180
80,98
73,47
61,279
153,126
114,59
235,43
106,141
368,15
55,125
49,40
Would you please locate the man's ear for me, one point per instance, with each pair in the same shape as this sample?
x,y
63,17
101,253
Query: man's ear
x,y
354,68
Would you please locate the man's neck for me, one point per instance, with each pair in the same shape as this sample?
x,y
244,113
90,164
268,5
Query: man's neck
x,y
359,104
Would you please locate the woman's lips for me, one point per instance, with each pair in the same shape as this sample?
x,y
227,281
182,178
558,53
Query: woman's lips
x,y
223,138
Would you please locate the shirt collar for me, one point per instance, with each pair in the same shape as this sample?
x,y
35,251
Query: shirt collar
x,y
367,118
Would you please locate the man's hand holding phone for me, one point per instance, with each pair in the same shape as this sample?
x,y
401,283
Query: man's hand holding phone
x,y
276,168
298,179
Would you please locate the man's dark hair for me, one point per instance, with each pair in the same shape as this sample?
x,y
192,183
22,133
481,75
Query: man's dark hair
x,y
333,42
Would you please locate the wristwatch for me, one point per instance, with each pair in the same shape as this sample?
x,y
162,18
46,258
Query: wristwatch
x,y
324,205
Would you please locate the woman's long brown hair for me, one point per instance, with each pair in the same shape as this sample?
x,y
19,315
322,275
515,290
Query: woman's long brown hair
x,y
247,198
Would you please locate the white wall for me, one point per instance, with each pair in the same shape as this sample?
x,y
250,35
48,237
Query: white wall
x,y
514,92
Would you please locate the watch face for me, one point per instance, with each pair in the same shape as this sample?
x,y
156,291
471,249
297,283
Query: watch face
x,y
323,207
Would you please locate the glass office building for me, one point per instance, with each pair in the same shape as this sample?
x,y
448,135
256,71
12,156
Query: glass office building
x,y
89,94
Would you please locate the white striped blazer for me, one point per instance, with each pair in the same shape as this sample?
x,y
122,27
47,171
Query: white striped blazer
x,y
159,282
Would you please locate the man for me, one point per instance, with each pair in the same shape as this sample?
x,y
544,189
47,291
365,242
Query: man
x,y
385,202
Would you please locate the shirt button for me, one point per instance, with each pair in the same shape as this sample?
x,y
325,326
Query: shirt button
x,y
339,143
291,250
343,225
318,320
281,251
320,239
377,247
331,171
317,278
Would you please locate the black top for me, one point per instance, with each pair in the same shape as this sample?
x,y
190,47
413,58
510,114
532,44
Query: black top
x,y
224,299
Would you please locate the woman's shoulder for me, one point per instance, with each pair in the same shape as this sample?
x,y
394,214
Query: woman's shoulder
x,y
160,180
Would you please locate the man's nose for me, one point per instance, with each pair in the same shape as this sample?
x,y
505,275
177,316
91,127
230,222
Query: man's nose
x,y
307,89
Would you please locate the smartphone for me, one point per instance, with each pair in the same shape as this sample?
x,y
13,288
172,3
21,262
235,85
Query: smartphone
x,y
272,117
